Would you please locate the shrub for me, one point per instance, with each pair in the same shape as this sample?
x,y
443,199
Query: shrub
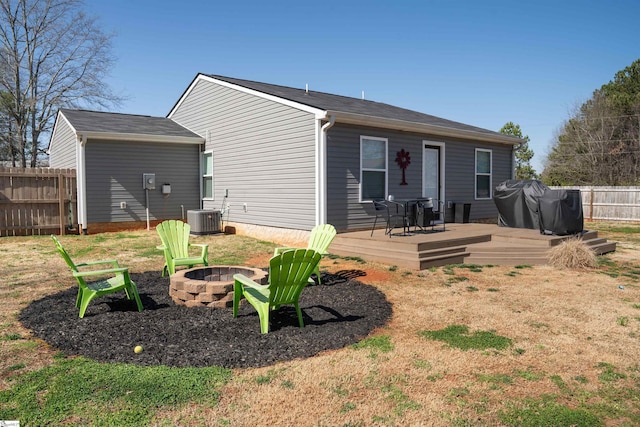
x,y
572,253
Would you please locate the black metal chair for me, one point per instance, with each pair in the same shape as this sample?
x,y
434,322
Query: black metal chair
x,y
426,216
438,216
398,216
394,214
382,211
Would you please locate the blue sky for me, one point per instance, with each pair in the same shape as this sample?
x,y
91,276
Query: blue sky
x,y
483,63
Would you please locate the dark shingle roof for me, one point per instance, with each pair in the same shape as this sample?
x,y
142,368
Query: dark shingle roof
x,y
338,103
113,123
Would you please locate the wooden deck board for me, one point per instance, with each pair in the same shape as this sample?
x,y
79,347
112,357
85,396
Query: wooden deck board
x,y
460,243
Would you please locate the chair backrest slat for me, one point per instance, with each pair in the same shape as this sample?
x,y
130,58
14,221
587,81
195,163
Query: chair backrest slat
x,y
175,236
289,273
380,205
64,254
321,237
72,265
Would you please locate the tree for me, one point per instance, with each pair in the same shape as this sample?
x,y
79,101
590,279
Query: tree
x,y
600,144
7,143
523,154
624,90
52,56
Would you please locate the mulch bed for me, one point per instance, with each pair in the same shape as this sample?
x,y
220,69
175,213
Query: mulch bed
x,y
337,313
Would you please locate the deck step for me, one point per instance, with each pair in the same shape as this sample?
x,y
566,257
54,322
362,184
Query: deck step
x,y
468,243
604,248
498,253
400,255
512,260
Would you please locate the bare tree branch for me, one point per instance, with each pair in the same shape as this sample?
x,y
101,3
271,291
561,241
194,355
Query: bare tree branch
x,y
52,56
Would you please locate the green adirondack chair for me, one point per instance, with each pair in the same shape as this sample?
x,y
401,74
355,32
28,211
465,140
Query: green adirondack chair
x,y
88,291
174,235
288,275
320,239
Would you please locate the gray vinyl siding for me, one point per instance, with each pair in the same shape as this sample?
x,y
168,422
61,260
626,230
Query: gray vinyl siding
x,y
460,170
263,153
114,175
343,157
63,147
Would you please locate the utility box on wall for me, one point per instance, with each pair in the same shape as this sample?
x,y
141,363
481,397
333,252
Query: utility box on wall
x,y
149,181
203,221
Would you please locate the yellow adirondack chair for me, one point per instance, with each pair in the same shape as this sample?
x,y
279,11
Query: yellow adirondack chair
x,y
88,291
288,275
320,239
174,235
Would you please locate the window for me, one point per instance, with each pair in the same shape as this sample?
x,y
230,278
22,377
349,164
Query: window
x,y
483,173
207,175
373,168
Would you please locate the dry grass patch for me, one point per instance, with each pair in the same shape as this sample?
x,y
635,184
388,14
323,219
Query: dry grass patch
x,y
572,253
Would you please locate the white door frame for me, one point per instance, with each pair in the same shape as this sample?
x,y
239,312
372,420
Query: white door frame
x,y
441,158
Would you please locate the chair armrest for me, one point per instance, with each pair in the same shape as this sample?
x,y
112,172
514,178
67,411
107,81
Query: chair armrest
x,y
245,281
204,248
278,251
113,262
100,272
161,247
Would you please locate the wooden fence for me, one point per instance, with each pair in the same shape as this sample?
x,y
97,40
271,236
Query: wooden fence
x,y
36,201
609,203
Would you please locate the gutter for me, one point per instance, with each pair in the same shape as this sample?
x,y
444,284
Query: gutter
x,y
138,137
321,170
81,186
403,125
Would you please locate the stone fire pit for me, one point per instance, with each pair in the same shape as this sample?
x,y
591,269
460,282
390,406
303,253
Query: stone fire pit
x,y
209,286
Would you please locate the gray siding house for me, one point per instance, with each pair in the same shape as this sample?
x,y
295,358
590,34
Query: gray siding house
x,y
280,158
111,152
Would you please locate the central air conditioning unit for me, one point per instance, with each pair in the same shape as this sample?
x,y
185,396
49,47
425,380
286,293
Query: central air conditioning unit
x,y
203,221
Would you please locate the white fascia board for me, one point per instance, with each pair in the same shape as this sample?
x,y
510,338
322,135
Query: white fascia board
x,y
318,113
55,128
184,96
364,120
135,137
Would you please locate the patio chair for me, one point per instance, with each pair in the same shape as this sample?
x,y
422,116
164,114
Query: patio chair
x,y
320,239
288,275
174,235
426,216
395,215
382,211
88,291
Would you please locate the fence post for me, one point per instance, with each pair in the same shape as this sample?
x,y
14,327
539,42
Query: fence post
x,y
61,197
591,205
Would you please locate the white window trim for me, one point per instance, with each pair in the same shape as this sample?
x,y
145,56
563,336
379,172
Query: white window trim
x,y
386,166
476,174
203,175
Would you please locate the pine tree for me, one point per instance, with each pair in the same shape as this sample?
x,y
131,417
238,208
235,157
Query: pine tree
x,y
523,154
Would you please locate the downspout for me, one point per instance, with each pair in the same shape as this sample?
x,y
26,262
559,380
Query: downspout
x,y
81,184
321,175
513,162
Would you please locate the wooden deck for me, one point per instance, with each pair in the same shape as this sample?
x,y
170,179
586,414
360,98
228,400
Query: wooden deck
x,y
460,243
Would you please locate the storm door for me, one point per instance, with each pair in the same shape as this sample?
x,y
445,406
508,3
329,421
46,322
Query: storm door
x,y
432,173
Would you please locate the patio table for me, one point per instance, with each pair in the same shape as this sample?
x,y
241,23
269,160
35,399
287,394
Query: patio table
x,y
403,213
414,213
